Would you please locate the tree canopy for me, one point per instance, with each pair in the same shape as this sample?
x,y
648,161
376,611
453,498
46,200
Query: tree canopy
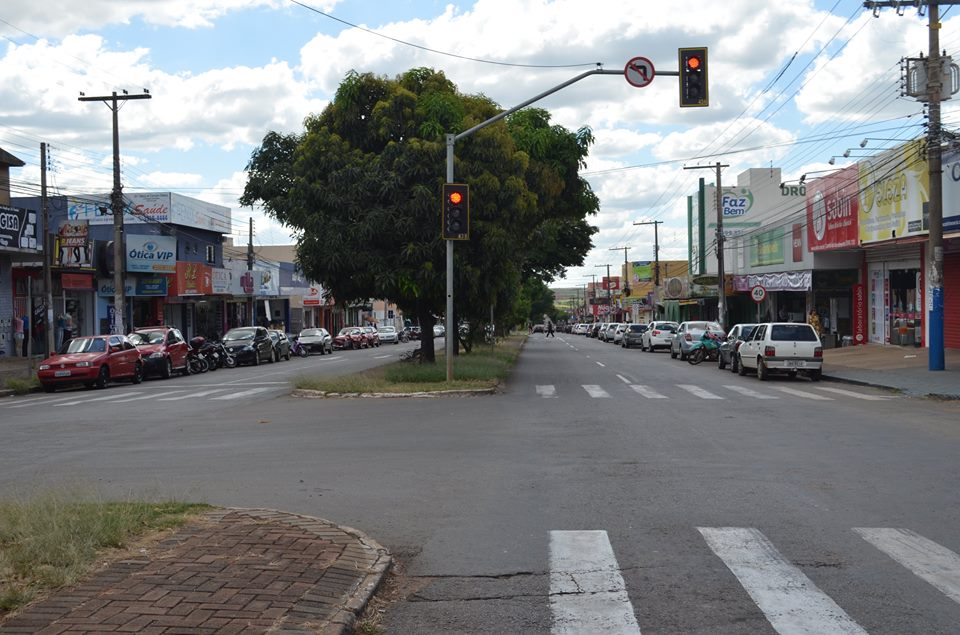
x,y
361,186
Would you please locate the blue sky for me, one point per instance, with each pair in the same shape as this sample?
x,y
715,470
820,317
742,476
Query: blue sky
x,y
791,85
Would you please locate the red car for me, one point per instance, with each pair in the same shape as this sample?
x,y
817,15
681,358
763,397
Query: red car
x,y
163,348
371,335
92,361
350,337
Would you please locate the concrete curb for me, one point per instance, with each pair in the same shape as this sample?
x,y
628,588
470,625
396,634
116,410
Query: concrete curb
x,y
323,394
894,389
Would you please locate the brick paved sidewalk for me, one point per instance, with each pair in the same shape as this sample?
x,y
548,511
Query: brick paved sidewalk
x,y
231,571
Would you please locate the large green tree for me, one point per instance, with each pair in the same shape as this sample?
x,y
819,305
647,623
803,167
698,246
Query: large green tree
x,y
361,184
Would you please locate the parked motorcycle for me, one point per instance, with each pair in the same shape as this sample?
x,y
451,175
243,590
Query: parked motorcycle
x,y
707,348
196,358
296,348
226,360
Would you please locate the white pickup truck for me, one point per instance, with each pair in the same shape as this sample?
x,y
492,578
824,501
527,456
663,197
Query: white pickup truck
x,y
782,347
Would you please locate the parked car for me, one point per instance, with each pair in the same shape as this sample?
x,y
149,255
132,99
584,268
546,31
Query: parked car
x,y
92,361
415,332
281,345
729,347
371,335
349,337
782,347
632,335
598,328
606,334
688,333
163,349
659,334
249,344
618,334
389,334
316,339
439,330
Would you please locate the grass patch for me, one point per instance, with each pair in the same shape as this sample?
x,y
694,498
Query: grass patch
x,y
52,540
22,386
484,367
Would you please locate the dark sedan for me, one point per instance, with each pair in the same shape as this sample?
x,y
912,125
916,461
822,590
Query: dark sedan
x,y
249,344
729,348
281,345
633,336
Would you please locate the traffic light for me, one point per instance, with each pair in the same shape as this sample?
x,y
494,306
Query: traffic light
x,y
694,90
455,221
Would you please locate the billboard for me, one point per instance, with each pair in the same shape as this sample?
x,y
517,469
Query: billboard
x,y
833,206
151,207
894,187
951,193
18,229
641,271
151,254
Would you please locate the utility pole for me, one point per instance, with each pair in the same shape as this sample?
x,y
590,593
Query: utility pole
x,y
47,244
253,301
721,286
112,102
935,357
656,262
593,288
625,291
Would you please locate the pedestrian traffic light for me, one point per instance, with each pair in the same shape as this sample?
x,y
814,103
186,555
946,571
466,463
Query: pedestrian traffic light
x,y
694,90
455,212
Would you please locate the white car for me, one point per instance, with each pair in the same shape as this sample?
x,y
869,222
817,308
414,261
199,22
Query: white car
x,y
389,334
618,334
782,347
659,334
607,333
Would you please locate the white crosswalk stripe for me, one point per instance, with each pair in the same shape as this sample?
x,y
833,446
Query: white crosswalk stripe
x,y
148,396
855,395
193,395
547,391
791,602
803,393
747,392
647,392
587,592
936,564
243,393
596,391
107,398
44,401
698,391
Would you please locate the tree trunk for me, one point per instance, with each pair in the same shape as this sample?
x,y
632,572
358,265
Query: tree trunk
x,y
427,353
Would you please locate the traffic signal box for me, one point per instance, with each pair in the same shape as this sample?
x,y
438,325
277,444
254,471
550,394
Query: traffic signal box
x,y
694,90
455,212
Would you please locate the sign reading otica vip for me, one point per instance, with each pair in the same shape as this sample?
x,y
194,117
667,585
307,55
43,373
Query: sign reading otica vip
x,y
894,186
151,254
151,207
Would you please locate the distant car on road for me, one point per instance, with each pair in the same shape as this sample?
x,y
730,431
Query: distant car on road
x,y
92,361
389,335
316,340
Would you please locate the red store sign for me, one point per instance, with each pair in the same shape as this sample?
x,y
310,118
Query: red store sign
x,y
76,281
833,211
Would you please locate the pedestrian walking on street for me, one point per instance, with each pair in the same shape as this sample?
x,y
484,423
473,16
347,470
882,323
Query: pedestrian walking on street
x,y
550,329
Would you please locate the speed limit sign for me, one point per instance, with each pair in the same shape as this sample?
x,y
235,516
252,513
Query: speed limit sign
x,y
758,293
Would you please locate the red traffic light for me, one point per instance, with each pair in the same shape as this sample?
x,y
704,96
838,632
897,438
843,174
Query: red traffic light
x,y
456,198
693,63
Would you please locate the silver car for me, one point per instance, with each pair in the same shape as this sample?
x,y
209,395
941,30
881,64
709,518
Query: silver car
x,y
389,335
690,332
316,339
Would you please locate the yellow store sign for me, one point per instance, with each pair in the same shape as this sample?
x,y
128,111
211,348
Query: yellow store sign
x,y
894,186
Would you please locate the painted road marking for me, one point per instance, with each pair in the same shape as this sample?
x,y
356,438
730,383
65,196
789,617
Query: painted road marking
x,y
148,396
937,565
596,391
601,364
587,592
108,397
791,602
803,393
547,391
382,356
203,393
698,391
242,393
46,401
647,392
750,393
857,395
623,379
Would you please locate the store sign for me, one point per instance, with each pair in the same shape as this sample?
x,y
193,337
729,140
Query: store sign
x,y
951,193
78,281
894,187
833,206
313,296
736,202
612,283
221,280
859,314
18,228
797,242
151,254
192,278
767,248
151,207
73,244
641,271
105,287
152,285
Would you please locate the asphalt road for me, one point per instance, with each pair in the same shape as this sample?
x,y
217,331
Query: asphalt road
x,y
606,490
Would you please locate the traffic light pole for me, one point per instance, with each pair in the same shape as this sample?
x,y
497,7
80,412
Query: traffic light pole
x,y
451,139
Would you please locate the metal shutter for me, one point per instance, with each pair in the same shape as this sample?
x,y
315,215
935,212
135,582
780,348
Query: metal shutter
x,y
951,300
